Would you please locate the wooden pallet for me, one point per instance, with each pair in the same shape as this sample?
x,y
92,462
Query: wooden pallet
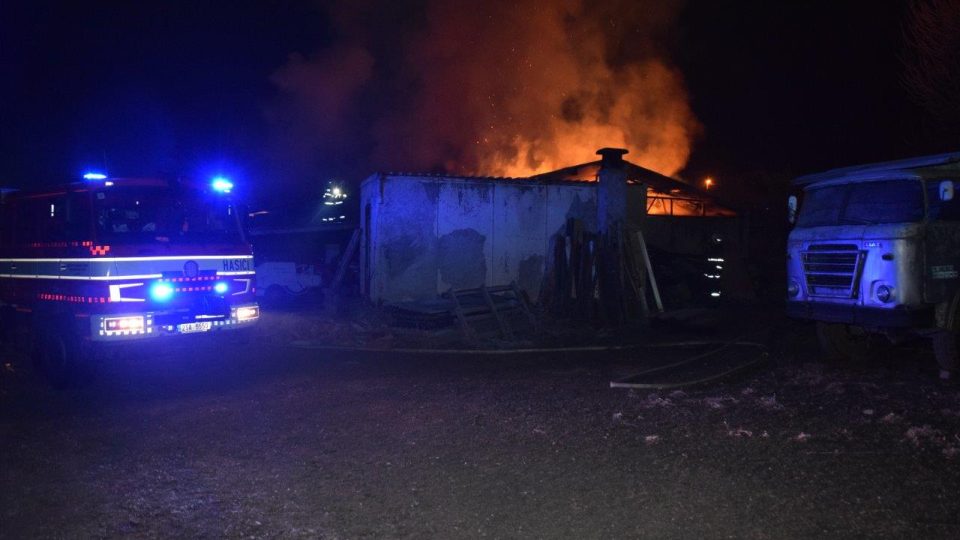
x,y
501,312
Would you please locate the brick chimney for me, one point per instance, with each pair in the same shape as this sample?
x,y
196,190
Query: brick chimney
x,y
611,191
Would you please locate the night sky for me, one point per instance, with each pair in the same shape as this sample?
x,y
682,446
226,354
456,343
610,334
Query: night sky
x,y
185,87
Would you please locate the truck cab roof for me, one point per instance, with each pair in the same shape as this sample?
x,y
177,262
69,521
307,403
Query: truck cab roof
x,y
87,185
935,166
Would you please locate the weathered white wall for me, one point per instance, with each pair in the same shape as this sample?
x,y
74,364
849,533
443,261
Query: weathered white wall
x,y
520,236
428,234
465,234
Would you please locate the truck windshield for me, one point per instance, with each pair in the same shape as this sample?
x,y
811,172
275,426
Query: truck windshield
x,y
866,203
136,214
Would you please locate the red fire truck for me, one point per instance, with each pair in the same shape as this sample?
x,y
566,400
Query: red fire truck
x,y
114,260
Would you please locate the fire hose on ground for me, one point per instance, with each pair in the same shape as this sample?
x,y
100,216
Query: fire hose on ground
x,y
701,368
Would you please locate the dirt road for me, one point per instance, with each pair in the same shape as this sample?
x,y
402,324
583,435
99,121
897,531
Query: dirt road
x,y
239,440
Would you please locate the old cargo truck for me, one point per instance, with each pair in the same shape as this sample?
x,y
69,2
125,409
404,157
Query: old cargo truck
x,y
875,251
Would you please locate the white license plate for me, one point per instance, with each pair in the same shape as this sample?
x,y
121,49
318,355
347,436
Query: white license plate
x,y
188,328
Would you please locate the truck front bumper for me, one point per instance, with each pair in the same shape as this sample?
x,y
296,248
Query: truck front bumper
x,y
146,325
899,317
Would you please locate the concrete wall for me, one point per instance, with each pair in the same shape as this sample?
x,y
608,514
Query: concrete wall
x,y
426,234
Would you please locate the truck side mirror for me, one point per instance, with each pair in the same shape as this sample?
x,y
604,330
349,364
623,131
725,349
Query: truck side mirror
x,y
946,190
792,209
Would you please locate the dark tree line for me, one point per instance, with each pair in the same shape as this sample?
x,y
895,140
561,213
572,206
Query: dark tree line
x,y
931,68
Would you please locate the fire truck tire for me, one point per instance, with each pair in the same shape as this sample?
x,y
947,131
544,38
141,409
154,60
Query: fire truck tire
x,y
59,357
844,341
945,349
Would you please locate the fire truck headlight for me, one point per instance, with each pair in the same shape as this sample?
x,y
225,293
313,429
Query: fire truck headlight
x,y
221,287
248,313
124,324
161,292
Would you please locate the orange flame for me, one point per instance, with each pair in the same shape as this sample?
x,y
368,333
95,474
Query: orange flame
x,y
502,87
531,86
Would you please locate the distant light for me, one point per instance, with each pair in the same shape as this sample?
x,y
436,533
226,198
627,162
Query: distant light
x,y
221,287
336,192
94,176
222,185
108,183
161,292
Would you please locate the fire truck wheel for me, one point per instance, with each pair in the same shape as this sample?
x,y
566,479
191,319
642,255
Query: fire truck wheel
x,y
946,351
844,341
59,357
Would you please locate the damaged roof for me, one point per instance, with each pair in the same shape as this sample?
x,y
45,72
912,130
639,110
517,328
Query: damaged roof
x,y
588,173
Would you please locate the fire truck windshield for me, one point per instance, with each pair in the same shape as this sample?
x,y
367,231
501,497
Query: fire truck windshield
x,y
138,214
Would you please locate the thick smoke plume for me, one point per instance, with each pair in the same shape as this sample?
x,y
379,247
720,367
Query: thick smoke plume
x,y
497,87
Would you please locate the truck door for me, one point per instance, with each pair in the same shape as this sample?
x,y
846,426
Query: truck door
x,y
941,244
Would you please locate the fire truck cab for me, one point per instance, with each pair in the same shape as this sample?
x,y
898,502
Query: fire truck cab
x,y
116,260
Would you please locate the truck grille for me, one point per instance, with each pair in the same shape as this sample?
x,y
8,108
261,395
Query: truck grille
x,y
832,270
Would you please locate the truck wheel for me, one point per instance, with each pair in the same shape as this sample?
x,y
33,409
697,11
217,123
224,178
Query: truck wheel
x,y
844,341
945,350
60,358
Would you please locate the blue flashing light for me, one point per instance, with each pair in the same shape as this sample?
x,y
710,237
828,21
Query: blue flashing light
x,y
94,176
161,292
221,184
221,287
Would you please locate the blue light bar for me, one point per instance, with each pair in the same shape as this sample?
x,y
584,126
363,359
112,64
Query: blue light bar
x,y
221,287
221,184
94,176
161,292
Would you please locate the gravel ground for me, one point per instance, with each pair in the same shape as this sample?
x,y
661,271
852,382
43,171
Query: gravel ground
x,y
218,438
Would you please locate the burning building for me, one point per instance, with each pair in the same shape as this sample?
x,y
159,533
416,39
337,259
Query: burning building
x,y
424,234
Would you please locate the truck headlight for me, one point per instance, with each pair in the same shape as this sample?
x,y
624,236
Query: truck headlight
x,y
793,288
884,293
247,313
